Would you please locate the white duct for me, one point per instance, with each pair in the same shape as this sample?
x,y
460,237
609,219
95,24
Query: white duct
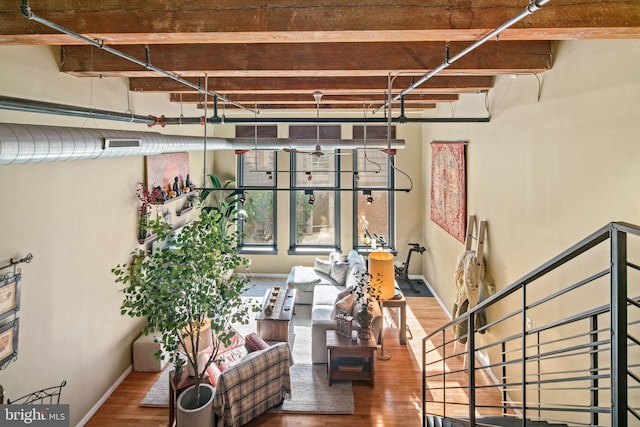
x,y
24,143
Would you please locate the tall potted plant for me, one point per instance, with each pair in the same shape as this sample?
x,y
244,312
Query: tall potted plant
x,y
189,285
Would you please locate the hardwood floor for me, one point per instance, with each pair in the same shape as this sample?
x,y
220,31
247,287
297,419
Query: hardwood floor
x,y
395,400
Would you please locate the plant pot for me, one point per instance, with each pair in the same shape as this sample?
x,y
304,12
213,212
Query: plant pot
x,y
200,416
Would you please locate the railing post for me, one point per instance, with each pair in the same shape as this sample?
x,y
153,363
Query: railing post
x,y
505,395
524,356
444,374
471,364
619,416
593,371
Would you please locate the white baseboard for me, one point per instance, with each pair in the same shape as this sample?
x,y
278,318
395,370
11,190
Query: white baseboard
x,y
435,295
104,398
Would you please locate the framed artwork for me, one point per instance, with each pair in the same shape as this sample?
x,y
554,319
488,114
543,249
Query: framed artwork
x,y
8,342
163,169
10,295
449,187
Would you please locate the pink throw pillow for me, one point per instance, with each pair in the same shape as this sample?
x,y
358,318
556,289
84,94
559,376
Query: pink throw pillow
x,y
253,342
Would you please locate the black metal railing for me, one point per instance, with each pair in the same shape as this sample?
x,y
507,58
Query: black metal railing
x,y
563,347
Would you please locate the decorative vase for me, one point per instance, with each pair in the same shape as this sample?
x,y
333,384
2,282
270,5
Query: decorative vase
x,y
199,416
364,318
177,374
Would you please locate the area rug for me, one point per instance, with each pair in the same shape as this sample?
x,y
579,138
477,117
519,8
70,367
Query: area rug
x,y
309,383
310,392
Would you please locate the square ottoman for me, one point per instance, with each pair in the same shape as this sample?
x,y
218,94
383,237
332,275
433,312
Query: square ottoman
x,y
144,349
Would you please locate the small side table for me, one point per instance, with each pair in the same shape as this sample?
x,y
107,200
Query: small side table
x,y
402,304
349,360
176,388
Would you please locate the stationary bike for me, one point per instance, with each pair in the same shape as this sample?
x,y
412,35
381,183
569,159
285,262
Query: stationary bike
x,y
402,269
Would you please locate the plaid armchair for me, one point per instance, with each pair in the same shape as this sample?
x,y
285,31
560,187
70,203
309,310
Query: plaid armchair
x,y
253,386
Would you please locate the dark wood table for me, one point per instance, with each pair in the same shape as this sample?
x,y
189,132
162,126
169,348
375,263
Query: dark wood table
x,y
277,325
351,360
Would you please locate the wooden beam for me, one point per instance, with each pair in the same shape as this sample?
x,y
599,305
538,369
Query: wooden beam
x,y
328,85
297,60
326,106
284,21
307,99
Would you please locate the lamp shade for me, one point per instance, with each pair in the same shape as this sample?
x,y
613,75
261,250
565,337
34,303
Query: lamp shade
x,y
381,267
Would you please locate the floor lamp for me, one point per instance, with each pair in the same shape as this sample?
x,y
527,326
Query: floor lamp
x,y
381,268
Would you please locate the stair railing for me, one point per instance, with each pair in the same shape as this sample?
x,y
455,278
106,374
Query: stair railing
x,y
578,365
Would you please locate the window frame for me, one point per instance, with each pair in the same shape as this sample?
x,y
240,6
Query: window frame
x,y
374,132
315,249
258,248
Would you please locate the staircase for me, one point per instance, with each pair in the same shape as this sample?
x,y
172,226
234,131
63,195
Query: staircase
x,y
560,347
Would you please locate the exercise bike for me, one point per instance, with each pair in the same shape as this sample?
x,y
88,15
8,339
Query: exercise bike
x,y
402,270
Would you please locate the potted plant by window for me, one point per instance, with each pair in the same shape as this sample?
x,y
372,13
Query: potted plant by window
x,y
366,292
185,287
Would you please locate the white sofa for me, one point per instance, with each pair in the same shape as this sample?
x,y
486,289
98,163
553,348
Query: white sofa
x,y
321,289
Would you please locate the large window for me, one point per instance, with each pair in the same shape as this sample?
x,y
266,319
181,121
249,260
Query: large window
x,y
257,168
315,224
374,210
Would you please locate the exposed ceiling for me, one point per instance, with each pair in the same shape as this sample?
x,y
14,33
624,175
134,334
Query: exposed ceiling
x,y
275,54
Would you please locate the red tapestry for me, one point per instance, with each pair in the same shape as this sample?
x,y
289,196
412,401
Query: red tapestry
x,y
448,187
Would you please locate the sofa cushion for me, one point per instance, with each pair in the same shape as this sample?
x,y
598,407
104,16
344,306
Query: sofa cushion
x,y
325,295
322,266
339,271
304,276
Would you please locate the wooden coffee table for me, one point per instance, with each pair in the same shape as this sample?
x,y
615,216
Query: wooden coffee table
x,y
277,325
349,360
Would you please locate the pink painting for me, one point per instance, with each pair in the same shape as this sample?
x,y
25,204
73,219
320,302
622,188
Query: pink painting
x,y
162,169
448,187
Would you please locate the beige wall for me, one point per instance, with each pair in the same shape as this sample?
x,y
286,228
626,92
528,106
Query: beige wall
x,y
543,174
79,220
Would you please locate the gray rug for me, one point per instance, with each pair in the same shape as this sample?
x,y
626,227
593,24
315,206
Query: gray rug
x,y
310,391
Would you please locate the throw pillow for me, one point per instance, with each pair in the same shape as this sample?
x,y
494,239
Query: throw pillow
x,y
354,275
343,294
213,372
229,358
339,271
253,342
344,304
322,266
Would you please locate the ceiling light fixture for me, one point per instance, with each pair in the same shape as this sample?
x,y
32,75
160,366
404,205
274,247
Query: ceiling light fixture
x,y
369,196
312,198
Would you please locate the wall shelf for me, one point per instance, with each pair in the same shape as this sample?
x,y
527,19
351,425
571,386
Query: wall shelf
x,y
182,196
183,211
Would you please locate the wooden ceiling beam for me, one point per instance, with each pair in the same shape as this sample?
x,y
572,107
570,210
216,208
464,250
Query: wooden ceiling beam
x,y
328,59
327,106
328,85
307,99
120,22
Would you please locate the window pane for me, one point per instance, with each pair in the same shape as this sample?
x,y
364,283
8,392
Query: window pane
x,y
373,168
258,169
313,171
315,224
258,226
375,217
